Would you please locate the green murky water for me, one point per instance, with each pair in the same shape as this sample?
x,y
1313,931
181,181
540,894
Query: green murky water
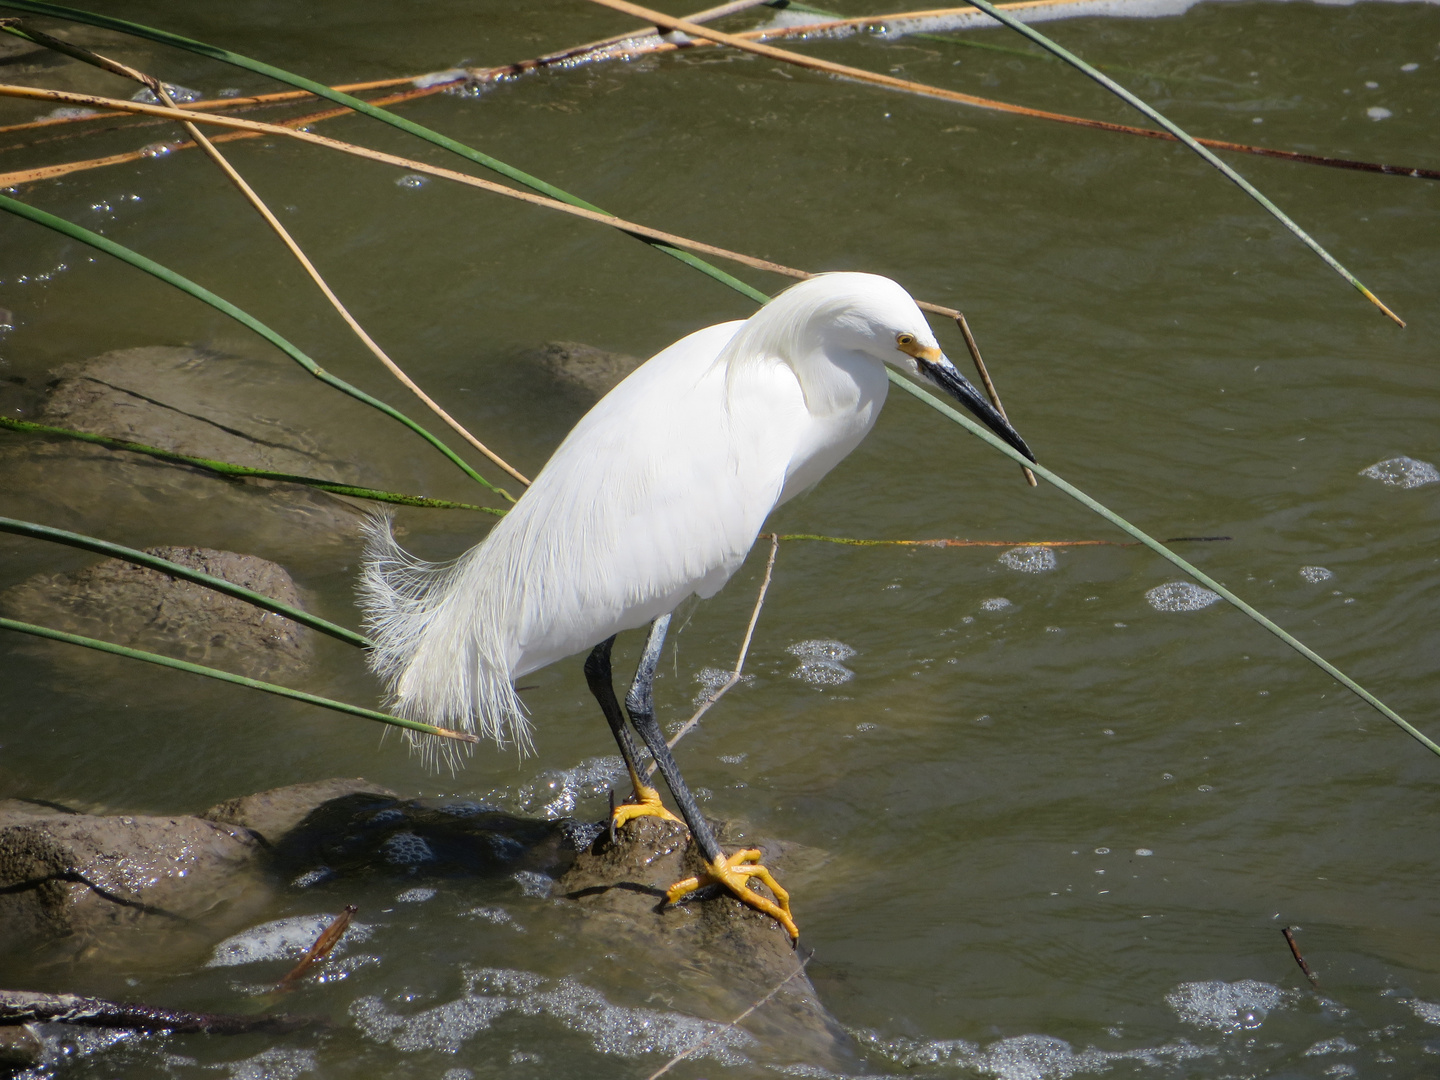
x,y
1053,837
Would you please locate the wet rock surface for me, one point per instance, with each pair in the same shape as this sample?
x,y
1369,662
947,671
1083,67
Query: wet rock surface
x,y
591,371
136,606
719,954
94,885
192,402
85,879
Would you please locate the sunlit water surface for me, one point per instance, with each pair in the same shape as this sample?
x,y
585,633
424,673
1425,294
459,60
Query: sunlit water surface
x,y
1061,802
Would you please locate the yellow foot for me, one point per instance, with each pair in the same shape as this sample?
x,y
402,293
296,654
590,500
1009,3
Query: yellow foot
x,y
735,873
648,804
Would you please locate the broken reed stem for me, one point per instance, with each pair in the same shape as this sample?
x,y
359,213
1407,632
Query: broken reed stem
x,y
1295,952
700,1044
324,944
734,678
984,373
245,472
157,87
891,82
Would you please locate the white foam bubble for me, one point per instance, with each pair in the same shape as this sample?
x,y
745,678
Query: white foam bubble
x,y
1029,560
1338,1045
820,649
1425,1010
412,180
995,603
1180,596
283,939
1316,574
1404,472
821,662
555,793
1024,1057
492,992
711,679
1223,1006
273,1064
415,896
1378,112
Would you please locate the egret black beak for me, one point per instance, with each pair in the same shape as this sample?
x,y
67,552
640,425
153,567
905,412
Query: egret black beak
x,y
943,374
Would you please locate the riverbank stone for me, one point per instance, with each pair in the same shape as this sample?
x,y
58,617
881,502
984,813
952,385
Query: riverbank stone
x,y
136,606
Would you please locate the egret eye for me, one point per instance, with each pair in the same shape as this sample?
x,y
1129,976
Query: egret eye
x,y
905,340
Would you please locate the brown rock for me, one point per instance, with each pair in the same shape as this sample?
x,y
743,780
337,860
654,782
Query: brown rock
x,y
135,606
717,956
81,877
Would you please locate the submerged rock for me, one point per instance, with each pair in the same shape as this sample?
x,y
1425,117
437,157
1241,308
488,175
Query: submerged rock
x,y
584,367
195,403
136,606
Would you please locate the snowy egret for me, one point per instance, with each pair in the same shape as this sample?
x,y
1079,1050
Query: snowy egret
x,y
656,495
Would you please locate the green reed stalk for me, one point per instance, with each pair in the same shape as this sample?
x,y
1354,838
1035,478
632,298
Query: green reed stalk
x,y
226,468
238,680
199,292
165,566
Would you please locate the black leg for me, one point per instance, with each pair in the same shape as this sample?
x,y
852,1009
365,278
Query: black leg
x,y
640,704
597,674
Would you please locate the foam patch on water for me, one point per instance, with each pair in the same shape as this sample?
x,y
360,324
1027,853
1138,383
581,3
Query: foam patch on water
x,y
1404,472
1029,560
995,603
283,939
1316,574
711,679
415,896
555,793
273,1064
1024,1057
820,662
1426,1011
1180,596
493,992
1227,1007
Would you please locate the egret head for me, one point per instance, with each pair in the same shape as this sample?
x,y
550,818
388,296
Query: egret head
x,y
873,315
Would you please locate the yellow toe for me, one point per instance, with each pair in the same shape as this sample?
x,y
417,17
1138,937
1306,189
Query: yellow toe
x,y
734,873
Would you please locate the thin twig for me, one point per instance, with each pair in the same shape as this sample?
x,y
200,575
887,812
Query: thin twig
x,y
158,88
1295,952
702,1043
970,344
734,678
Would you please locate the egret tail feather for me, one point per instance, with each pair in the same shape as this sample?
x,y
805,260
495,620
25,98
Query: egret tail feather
x,y
440,663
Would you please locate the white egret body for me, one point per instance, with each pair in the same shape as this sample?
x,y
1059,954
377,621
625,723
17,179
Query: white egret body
x,y
656,495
